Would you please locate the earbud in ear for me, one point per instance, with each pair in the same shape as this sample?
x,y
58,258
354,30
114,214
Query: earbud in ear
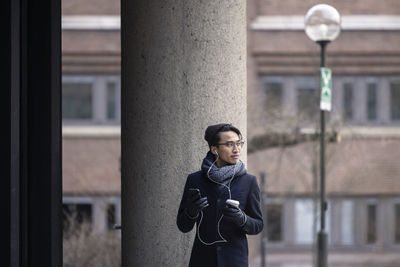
x,y
216,152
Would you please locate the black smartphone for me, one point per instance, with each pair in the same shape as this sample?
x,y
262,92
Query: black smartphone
x,y
194,191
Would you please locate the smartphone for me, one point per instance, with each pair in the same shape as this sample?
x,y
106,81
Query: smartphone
x,y
194,191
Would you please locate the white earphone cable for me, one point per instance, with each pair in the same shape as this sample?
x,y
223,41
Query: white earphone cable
x,y
219,221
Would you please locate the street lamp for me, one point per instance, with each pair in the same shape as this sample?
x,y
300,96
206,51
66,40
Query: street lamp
x,y
322,25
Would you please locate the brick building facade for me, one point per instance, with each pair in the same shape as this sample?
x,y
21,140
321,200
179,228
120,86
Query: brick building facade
x,y
364,211
363,217
91,65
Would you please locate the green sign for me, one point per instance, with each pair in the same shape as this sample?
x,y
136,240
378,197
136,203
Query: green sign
x,y
326,89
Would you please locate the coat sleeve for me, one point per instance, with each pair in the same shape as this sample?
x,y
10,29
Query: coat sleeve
x,y
184,222
254,223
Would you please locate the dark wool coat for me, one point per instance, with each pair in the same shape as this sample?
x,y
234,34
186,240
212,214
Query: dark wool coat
x,y
233,253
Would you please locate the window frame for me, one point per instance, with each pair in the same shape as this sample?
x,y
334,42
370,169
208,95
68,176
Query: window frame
x,y
282,224
99,87
306,83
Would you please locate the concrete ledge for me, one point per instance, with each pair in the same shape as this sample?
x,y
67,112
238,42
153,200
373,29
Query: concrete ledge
x,y
334,259
91,22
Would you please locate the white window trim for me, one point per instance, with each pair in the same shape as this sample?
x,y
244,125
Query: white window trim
x,y
71,131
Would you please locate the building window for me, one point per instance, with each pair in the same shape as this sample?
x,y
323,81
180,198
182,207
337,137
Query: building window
x,y
91,99
397,223
308,102
371,101
273,96
348,98
395,100
347,229
371,223
111,221
75,215
77,101
304,221
308,221
111,101
274,229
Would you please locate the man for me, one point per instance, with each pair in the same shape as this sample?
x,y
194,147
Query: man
x,y
221,225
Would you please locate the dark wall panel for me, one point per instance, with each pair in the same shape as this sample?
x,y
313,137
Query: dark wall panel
x,y
30,144
5,121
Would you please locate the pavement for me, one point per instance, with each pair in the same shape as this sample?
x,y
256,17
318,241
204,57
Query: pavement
x,y
334,260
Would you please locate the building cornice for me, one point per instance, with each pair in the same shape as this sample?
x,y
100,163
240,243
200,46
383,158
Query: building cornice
x,y
349,23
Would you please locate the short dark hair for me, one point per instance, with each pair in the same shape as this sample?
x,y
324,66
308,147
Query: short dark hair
x,y
213,136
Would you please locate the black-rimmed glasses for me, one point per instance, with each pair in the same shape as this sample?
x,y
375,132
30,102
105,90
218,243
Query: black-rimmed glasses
x,y
231,144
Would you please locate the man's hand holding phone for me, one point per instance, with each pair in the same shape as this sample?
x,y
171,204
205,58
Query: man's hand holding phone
x,y
195,203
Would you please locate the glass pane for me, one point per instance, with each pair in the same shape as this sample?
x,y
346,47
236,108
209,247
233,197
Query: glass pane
x,y
111,216
304,221
371,223
273,96
77,101
274,222
371,101
308,103
395,101
111,101
347,222
348,95
397,223
74,215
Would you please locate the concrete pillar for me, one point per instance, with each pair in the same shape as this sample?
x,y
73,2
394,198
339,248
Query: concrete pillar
x,y
183,68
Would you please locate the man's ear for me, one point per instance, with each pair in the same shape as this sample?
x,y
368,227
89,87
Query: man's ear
x,y
214,150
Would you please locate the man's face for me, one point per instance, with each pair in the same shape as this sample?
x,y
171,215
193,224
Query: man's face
x,y
227,155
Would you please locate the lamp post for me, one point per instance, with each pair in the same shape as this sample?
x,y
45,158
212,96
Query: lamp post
x,y
322,25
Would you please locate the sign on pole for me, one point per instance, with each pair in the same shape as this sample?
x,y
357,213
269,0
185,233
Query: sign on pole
x,y
326,89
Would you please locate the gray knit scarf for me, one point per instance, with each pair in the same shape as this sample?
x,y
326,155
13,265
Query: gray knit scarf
x,y
224,174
